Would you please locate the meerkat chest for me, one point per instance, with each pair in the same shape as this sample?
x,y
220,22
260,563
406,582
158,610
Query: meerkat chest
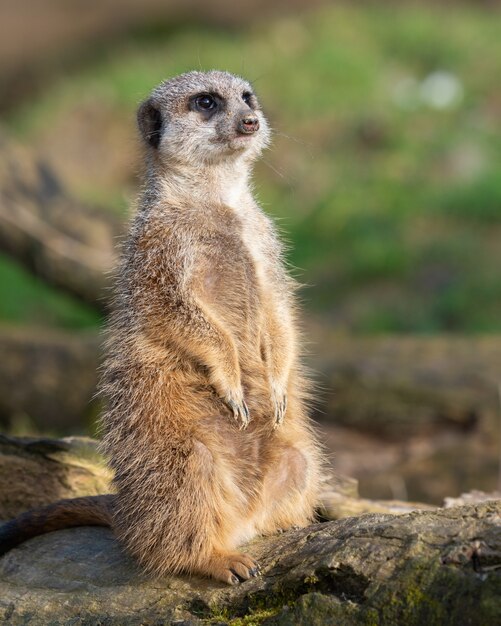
x,y
238,253
253,243
228,267
231,194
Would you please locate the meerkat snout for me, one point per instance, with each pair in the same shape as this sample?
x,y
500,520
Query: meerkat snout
x,y
248,125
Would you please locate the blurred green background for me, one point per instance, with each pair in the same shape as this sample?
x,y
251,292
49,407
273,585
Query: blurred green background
x,y
384,176
384,172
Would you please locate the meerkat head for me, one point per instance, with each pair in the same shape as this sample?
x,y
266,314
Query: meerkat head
x,y
203,118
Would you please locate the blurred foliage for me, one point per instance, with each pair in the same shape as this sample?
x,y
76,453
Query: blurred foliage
x,y
383,170
26,300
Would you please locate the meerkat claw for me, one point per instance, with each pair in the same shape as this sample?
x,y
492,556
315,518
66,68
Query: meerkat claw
x,y
245,418
280,410
240,412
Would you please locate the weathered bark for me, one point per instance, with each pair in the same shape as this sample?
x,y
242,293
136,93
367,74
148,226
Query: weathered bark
x,y
47,378
67,243
439,567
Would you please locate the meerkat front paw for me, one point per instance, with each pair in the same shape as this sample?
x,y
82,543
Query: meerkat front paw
x,y
233,397
239,410
279,403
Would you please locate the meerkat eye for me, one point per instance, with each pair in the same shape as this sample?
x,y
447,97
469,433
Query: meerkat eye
x,y
247,97
206,102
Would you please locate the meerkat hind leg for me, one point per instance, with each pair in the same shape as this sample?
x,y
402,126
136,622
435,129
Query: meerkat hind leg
x,y
192,528
222,562
288,492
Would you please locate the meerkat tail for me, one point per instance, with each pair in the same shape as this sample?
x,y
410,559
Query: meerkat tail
x,y
85,511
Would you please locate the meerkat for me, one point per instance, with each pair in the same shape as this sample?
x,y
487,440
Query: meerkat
x,y
206,425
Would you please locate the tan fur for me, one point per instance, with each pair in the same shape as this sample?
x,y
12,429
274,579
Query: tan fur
x,y
206,426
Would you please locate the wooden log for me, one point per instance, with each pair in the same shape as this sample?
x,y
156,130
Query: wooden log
x,y
436,566
38,471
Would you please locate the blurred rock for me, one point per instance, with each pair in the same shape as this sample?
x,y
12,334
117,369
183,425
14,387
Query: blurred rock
x,y
407,385
411,418
47,379
35,472
473,497
339,506
423,468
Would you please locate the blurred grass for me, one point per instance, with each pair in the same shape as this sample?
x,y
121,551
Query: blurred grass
x,y
392,206
25,299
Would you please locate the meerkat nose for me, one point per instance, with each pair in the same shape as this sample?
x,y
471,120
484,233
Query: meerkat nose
x,y
248,124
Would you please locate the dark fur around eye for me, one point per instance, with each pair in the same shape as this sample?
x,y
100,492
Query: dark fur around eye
x,y
155,133
247,97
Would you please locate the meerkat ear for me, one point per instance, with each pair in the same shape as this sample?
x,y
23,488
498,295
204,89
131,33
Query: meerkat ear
x,y
149,119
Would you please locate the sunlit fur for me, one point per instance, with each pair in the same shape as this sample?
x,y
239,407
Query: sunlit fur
x,y
204,319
